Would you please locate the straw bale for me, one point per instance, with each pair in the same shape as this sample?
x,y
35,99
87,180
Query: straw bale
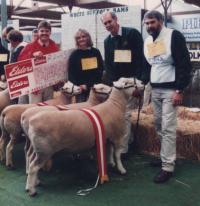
x,y
145,137
147,109
188,139
183,112
188,136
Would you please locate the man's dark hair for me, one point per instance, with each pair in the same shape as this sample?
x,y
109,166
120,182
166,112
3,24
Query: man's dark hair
x,y
35,31
44,24
9,28
15,36
153,14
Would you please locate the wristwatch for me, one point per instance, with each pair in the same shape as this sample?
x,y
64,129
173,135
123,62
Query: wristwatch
x,y
179,91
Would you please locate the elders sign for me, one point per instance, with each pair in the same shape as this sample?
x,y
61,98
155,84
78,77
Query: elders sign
x,y
32,75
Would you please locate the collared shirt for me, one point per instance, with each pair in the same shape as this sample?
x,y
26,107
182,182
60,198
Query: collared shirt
x,y
32,47
119,32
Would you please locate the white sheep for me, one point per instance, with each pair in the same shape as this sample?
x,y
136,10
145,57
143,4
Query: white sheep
x,y
4,99
98,94
72,130
11,116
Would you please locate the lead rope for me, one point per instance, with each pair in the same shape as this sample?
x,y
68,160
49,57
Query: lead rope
x,y
87,191
138,119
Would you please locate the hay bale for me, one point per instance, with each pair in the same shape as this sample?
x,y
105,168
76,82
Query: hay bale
x,y
183,112
187,113
188,139
147,109
145,137
188,136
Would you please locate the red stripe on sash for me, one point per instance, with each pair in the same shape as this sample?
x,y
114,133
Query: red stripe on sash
x,y
42,104
100,141
62,107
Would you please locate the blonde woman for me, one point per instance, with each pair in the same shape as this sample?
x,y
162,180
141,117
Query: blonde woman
x,y
85,63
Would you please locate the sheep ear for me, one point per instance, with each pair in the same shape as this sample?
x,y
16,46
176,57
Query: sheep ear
x,y
94,86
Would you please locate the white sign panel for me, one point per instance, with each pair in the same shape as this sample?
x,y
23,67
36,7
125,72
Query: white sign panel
x,y
32,75
189,25
90,20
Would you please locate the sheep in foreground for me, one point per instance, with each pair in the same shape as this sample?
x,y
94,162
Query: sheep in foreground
x,y
11,116
73,131
4,99
98,94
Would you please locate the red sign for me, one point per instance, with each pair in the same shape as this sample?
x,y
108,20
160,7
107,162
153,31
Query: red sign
x,y
18,84
18,69
16,94
31,75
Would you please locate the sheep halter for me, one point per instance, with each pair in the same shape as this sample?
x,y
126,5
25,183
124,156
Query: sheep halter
x,y
100,141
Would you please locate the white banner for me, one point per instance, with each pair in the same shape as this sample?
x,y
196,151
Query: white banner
x,y
188,25
32,75
128,16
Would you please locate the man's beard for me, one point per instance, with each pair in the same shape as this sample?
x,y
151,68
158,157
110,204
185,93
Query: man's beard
x,y
154,32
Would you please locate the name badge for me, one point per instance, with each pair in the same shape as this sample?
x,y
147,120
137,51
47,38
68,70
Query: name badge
x,y
89,63
3,57
156,48
123,56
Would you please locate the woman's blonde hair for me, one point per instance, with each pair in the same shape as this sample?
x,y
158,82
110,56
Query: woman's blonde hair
x,y
89,39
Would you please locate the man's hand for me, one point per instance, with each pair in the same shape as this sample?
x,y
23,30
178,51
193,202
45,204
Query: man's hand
x,y
36,92
38,54
3,78
83,87
138,93
177,99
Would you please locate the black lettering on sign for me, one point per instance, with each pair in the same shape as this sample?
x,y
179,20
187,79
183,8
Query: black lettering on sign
x,y
194,55
191,23
120,9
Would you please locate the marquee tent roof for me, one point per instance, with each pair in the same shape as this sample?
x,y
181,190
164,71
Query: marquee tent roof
x,y
29,16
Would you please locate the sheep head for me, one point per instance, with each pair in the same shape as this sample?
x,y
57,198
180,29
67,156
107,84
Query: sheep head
x,y
124,83
129,85
102,88
101,91
71,89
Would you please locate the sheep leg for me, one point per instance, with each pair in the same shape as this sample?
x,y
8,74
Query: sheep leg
x,y
111,160
26,148
32,180
3,143
120,166
30,157
9,152
48,165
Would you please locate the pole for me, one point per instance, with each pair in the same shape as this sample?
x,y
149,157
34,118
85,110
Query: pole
x,y
166,4
4,18
165,13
